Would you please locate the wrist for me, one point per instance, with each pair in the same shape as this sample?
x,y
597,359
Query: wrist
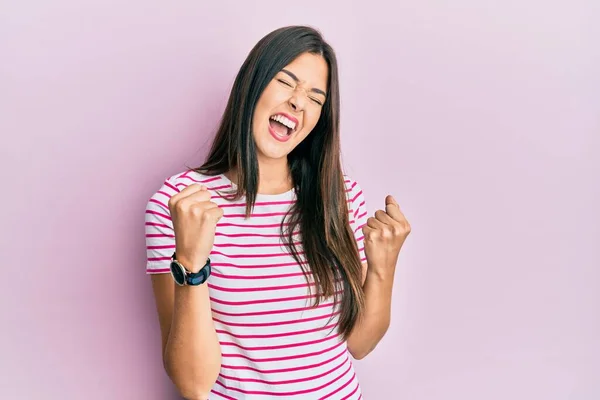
x,y
193,265
380,275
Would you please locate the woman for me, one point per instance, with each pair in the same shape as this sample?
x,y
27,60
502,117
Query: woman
x,y
269,242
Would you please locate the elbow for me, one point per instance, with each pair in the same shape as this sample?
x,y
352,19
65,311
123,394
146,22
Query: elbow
x,y
360,347
359,353
195,395
190,389
193,380
193,390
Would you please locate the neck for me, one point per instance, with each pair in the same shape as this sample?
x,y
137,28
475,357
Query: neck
x,y
274,176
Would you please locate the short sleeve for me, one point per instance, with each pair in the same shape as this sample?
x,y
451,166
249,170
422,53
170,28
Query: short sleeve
x,y
358,214
160,236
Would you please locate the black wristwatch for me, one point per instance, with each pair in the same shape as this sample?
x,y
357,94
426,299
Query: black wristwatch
x,y
182,276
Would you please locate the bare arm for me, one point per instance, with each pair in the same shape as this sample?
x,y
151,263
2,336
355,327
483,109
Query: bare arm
x,y
191,351
190,346
384,235
375,322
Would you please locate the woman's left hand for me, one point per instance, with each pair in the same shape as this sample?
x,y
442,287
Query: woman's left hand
x,y
384,236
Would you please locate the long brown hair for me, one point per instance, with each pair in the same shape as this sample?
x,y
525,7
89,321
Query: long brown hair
x,y
321,209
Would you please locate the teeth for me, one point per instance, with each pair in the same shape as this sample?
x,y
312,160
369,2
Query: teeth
x,y
285,121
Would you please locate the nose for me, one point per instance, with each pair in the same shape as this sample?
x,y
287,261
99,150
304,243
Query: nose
x,y
298,100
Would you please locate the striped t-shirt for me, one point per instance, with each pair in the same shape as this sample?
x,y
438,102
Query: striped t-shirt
x,y
273,344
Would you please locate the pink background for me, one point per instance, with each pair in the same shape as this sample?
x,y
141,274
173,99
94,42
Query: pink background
x,y
481,117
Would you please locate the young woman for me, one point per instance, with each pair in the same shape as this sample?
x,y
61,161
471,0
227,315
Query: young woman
x,y
279,274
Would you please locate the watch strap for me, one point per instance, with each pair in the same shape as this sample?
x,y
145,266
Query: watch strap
x,y
195,278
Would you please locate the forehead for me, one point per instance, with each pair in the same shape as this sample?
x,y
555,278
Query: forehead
x,y
310,69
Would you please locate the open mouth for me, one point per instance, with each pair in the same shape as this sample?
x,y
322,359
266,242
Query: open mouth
x,y
282,125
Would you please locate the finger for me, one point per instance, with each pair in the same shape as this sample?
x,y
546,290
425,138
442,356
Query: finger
x,y
200,195
192,194
367,231
390,200
384,218
210,204
374,223
203,205
194,187
392,208
215,212
186,192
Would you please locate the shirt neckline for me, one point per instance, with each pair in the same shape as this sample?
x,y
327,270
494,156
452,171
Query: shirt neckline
x,y
261,196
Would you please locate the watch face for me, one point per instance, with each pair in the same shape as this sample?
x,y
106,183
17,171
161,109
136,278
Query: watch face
x,y
178,273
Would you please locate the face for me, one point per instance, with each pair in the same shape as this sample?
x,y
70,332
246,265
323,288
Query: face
x,y
290,107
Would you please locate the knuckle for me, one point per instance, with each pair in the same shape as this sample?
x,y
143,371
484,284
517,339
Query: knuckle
x,y
172,201
204,196
206,217
182,205
196,211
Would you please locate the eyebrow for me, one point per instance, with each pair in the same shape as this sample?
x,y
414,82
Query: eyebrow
x,y
295,78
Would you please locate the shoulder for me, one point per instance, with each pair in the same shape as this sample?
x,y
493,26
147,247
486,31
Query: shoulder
x,y
356,198
357,206
177,182
174,184
184,179
354,191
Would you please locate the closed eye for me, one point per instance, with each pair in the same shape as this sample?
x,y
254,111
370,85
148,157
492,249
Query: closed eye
x,y
314,100
284,82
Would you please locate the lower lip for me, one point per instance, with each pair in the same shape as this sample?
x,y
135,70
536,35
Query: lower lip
x,y
277,137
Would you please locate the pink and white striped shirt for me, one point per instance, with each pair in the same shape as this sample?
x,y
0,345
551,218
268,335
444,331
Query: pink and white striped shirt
x,y
274,346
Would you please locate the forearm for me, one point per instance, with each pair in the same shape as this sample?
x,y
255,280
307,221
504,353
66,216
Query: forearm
x,y
373,325
192,354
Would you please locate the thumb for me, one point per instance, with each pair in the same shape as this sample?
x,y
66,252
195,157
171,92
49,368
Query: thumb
x,y
391,206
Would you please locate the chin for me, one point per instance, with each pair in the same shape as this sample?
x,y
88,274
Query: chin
x,y
268,147
270,152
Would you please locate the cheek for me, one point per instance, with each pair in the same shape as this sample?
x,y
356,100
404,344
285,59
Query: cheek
x,y
267,102
261,115
310,121
271,97
312,118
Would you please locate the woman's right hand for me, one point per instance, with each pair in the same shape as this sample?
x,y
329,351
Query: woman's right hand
x,y
195,220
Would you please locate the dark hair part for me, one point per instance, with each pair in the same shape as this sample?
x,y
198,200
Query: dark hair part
x,y
321,209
